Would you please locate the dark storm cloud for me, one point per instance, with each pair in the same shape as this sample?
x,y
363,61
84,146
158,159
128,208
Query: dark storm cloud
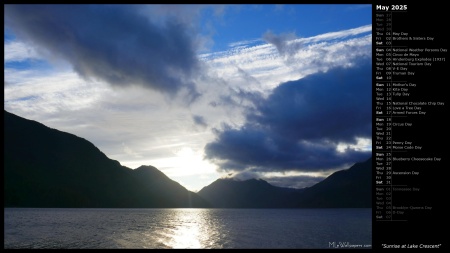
x,y
114,43
336,105
300,124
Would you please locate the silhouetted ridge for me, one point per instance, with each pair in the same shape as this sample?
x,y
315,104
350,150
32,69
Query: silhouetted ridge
x,y
346,188
252,193
44,167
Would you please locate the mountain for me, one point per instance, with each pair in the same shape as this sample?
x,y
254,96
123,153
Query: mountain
x,y
252,193
44,167
345,188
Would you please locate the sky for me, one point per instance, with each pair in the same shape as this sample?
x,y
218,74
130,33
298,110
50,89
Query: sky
x,y
201,92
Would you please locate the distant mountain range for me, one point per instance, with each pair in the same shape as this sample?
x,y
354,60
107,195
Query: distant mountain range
x,y
252,193
346,188
45,167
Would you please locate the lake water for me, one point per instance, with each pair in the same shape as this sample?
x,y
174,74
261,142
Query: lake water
x,y
187,228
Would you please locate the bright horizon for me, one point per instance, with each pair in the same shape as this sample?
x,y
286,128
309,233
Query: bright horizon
x,y
278,92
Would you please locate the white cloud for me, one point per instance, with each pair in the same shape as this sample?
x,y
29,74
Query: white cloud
x,y
19,51
33,92
244,43
362,144
269,68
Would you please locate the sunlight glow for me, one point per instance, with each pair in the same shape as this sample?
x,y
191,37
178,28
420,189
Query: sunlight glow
x,y
186,166
185,162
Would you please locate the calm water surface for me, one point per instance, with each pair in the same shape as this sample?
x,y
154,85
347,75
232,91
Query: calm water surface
x,y
186,228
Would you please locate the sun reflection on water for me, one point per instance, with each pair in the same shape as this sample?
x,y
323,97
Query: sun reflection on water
x,y
177,228
186,236
191,229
